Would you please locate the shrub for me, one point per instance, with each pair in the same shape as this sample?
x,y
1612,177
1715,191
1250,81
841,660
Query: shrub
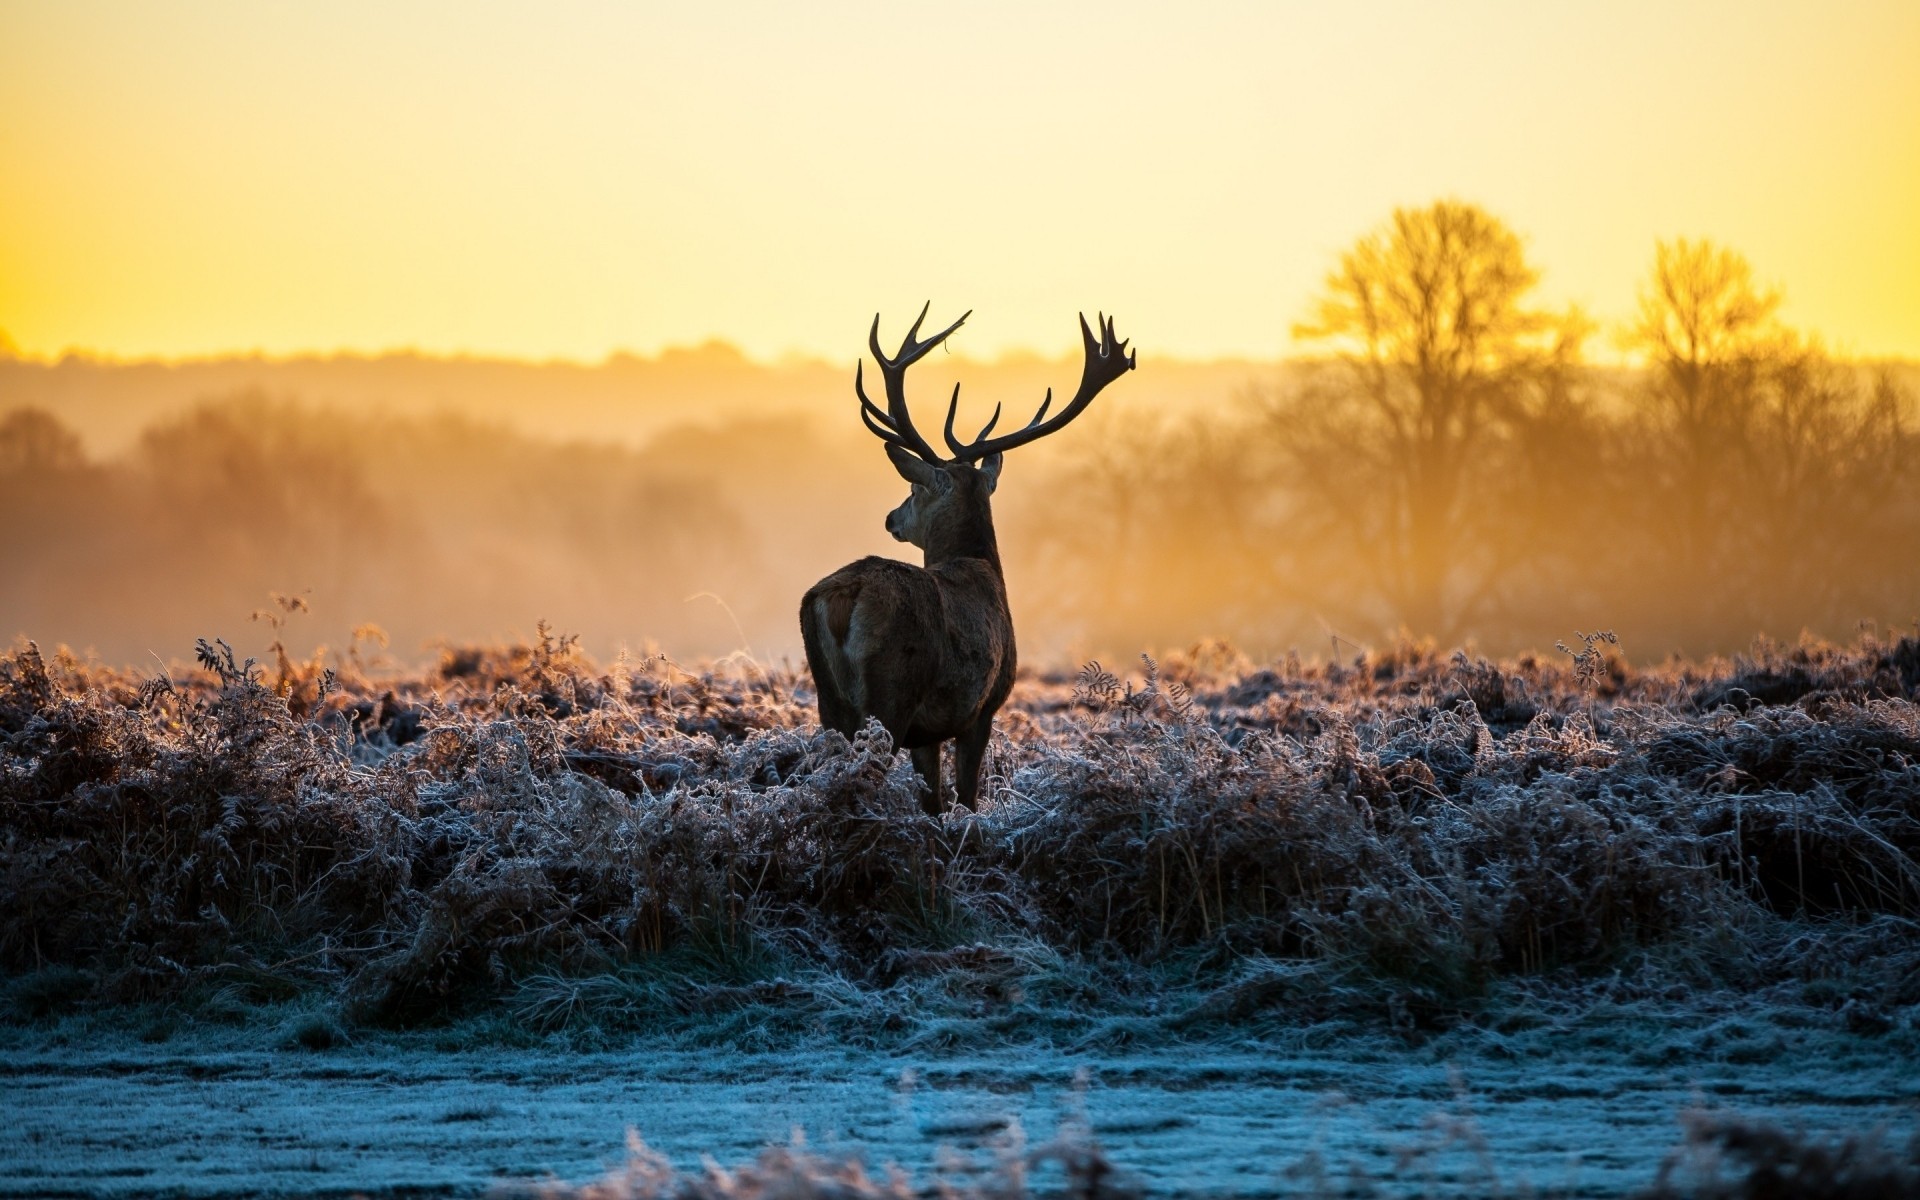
x,y
536,817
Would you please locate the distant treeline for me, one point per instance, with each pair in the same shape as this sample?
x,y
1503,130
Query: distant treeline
x,y
624,399
430,528
1454,469
1450,466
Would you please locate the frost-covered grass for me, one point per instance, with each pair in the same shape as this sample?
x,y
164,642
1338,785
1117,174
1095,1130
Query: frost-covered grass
x,y
1720,1158
227,1112
524,841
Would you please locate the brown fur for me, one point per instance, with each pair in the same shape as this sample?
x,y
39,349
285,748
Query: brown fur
x,y
927,651
840,603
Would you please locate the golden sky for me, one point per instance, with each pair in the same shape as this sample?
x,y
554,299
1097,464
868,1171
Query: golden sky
x,y
568,179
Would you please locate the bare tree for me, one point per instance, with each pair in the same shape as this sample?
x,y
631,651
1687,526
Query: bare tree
x,y
33,441
1767,469
1708,332
1438,357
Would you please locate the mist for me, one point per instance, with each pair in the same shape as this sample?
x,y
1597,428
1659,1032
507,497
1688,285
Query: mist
x,y
412,504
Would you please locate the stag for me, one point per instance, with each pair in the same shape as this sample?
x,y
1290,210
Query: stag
x,y
928,651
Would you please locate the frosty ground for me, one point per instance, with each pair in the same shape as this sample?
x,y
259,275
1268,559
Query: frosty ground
x,y
211,1115
1417,920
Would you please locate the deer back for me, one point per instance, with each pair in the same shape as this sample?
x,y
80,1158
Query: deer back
x,y
928,651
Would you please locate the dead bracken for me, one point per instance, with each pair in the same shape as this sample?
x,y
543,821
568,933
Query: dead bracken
x,y
1395,837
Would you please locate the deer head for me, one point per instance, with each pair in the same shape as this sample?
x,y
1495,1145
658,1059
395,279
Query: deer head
x,y
947,513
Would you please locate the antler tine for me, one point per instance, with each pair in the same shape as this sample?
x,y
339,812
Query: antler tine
x,y
911,351
959,447
870,413
915,330
873,340
896,424
1107,359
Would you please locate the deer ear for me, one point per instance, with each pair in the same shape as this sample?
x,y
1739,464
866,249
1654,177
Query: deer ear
x,y
990,470
914,469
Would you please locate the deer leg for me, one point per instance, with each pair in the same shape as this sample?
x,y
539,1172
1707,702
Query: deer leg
x,y
926,760
970,749
836,713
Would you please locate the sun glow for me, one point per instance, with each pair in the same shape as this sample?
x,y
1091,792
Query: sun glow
x,y
507,179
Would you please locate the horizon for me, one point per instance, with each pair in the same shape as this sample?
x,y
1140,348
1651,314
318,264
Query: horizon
x,y
716,348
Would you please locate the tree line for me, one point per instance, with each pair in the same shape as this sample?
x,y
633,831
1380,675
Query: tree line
x,y
1451,464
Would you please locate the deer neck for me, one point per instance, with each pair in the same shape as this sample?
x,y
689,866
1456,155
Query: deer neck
x,y
969,537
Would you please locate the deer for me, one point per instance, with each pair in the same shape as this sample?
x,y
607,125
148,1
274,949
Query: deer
x,y
928,651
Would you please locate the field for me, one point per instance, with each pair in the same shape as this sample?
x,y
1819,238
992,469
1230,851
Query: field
x,y
1465,736
1580,895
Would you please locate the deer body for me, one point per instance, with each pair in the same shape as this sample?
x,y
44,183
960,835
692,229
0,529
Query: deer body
x,y
929,651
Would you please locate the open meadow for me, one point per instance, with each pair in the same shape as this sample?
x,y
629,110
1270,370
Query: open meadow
x,y
1421,906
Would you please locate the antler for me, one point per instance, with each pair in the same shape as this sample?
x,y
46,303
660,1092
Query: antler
x,y
895,426
1107,360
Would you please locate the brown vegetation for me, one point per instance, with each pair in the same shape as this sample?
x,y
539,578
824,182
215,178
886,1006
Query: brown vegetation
x,y
639,844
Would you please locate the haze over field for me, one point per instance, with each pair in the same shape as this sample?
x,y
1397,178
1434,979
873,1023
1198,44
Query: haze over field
x,y
630,255
686,503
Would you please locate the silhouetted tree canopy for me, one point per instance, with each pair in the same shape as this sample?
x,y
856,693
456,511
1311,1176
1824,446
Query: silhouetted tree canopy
x,y
32,440
1443,357
1450,467
1764,472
